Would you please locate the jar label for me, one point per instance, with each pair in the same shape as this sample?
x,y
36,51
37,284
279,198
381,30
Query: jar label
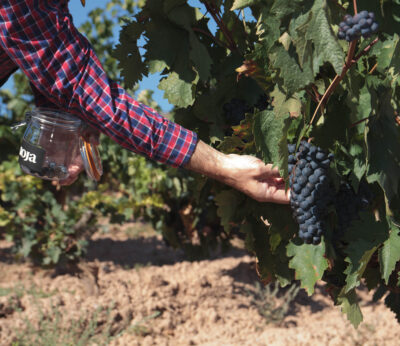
x,y
31,156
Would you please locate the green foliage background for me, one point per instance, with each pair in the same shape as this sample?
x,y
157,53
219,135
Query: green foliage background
x,y
293,57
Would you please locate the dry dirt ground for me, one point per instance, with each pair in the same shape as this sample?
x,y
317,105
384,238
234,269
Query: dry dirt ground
x,y
133,290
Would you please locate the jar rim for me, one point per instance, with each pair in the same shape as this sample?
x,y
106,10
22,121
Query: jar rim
x,y
56,117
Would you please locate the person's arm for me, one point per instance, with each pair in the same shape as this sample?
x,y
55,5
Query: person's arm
x,y
244,173
41,39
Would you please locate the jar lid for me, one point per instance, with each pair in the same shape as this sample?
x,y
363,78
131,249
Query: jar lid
x,y
91,159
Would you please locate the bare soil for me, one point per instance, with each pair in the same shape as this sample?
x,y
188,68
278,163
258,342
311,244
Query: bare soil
x,y
134,290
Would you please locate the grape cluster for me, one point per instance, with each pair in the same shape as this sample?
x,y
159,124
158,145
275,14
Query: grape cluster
x,y
362,24
348,204
236,109
310,189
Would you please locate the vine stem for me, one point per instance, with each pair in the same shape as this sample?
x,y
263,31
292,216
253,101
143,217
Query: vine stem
x,y
211,36
339,5
349,63
359,122
217,18
373,69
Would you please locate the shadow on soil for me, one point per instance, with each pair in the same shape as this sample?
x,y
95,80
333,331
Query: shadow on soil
x,y
143,251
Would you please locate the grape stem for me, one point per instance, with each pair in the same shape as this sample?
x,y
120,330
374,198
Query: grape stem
x,y
348,64
373,69
360,121
339,5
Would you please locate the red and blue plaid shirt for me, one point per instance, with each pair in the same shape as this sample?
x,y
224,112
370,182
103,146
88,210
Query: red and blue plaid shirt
x,y
39,37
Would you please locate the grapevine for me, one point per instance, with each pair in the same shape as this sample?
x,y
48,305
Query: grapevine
x,y
328,121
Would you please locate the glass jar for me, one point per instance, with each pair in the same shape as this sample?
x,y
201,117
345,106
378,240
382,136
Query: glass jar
x,y
53,142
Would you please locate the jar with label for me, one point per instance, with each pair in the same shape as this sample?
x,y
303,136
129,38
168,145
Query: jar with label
x,y
53,142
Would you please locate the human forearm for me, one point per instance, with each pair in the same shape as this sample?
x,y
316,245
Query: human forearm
x,y
244,173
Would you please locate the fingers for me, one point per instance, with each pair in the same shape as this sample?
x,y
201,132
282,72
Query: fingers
x,y
74,170
281,197
268,171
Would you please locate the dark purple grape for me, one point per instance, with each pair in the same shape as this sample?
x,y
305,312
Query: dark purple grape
x,y
362,24
309,198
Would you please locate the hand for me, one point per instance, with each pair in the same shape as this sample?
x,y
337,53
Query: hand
x,y
74,170
76,166
256,179
244,173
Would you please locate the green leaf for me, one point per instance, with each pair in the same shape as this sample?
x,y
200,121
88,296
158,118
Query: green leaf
x,y
163,45
392,301
239,4
326,45
350,307
177,91
308,262
388,57
228,202
309,44
271,126
283,8
389,254
363,237
257,241
383,145
200,57
294,77
128,55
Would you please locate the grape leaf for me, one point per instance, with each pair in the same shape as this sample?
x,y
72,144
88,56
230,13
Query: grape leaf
x,y
228,202
200,57
239,4
312,44
389,254
168,5
270,129
388,57
257,241
163,46
351,308
356,269
364,237
308,262
177,91
383,145
392,301
128,55
283,8
294,77
326,45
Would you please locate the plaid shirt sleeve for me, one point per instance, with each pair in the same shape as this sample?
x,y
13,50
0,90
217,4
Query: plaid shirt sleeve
x,y
39,37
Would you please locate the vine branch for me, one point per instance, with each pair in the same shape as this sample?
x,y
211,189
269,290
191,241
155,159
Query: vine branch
x,y
211,8
211,36
360,121
348,64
